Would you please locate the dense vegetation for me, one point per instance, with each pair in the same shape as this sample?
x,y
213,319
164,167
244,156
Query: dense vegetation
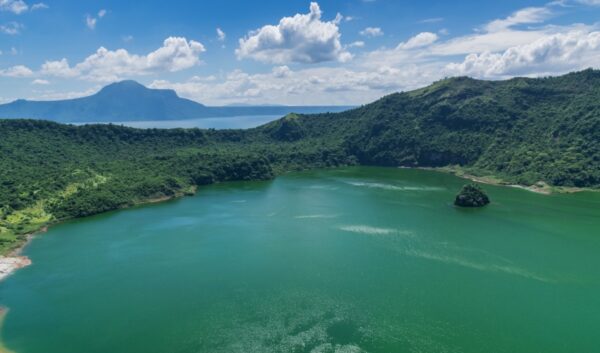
x,y
520,130
471,195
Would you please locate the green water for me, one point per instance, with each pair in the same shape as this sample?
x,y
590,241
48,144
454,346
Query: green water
x,y
349,260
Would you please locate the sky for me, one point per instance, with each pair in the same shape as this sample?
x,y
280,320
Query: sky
x,y
292,52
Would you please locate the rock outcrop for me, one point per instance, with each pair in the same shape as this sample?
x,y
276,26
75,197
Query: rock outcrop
x,y
471,196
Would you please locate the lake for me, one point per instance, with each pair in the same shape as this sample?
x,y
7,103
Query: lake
x,y
233,122
345,260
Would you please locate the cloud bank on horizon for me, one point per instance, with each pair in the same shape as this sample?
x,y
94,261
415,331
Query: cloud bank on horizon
x,y
309,57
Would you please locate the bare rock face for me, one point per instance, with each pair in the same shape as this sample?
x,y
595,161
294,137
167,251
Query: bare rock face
x,y
8,265
471,196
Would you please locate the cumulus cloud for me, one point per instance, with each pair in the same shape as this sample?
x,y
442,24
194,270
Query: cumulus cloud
x,y
59,68
371,32
414,63
303,38
281,71
176,54
420,40
552,54
313,85
17,71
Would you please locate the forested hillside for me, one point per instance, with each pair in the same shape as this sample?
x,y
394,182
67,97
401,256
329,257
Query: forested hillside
x,y
520,130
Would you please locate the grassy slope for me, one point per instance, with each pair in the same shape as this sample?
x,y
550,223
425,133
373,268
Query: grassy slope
x,y
521,130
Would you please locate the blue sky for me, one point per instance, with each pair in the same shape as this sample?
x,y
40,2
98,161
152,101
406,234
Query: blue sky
x,y
286,52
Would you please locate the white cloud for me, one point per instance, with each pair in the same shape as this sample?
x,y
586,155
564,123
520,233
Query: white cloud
x,y
11,28
176,54
59,68
527,15
303,38
17,71
91,22
420,40
315,85
20,6
432,20
14,6
39,6
506,52
357,44
221,35
281,71
476,43
338,18
495,41
553,54
40,82
52,95
371,32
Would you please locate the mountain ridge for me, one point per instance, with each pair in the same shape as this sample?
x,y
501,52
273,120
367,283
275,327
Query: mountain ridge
x,y
129,100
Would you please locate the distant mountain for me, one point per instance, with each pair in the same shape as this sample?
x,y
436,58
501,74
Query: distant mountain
x,y
131,101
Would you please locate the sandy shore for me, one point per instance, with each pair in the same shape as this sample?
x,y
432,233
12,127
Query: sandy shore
x,y
539,187
14,260
9,264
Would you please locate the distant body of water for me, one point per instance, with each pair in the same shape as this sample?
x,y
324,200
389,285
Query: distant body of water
x,y
347,260
234,122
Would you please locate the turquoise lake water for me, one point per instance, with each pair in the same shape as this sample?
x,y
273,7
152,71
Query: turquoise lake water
x,y
345,260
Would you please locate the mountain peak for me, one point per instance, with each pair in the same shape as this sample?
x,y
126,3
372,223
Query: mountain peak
x,y
131,87
134,89
126,84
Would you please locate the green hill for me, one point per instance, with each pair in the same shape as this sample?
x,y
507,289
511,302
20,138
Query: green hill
x,y
520,130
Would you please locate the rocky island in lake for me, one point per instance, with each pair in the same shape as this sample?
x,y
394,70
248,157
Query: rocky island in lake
x,y
471,196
